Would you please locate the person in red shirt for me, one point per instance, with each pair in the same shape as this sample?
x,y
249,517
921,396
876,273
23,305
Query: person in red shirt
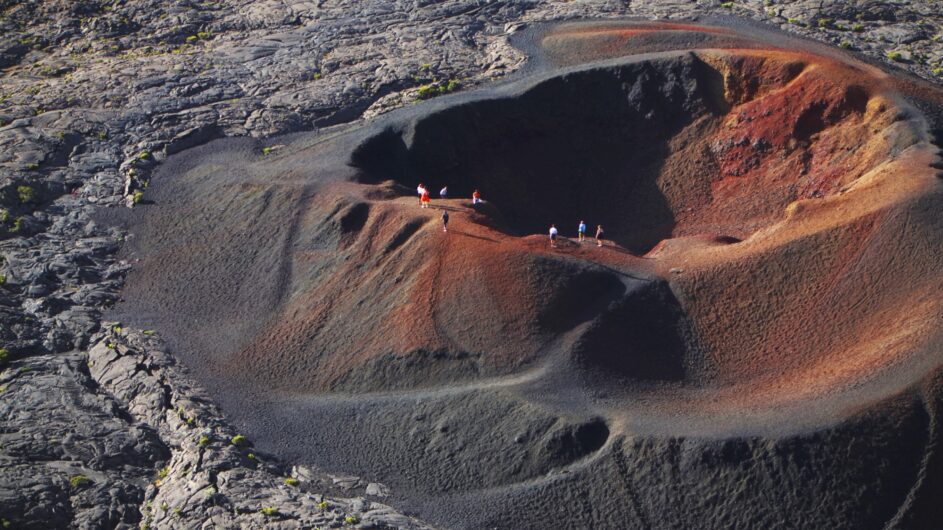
x,y
476,197
424,199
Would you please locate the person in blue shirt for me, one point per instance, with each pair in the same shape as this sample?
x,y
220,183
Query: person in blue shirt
x,y
582,231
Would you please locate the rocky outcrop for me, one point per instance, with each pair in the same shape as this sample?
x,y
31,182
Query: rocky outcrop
x,y
118,437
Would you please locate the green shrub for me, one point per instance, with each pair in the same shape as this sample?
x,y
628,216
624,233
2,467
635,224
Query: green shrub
x,y
428,91
144,155
4,216
17,224
291,482
845,45
726,5
452,85
350,519
32,166
825,22
164,472
936,71
793,21
858,27
251,456
102,135
79,481
204,441
269,511
192,38
895,56
239,440
323,505
137,197
266,150
316,76
3,280
4,357
26,193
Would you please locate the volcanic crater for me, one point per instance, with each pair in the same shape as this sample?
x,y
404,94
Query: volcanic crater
x,y
771,269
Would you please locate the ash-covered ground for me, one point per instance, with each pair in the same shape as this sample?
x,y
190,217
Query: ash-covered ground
x,y
758,344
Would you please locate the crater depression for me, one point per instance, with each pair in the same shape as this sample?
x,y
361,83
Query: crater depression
x,y
771,269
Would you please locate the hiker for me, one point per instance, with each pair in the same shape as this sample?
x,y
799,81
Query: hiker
x,y
553,236
582,231
424,199
444,192
599,232
476,197
421,190
445,221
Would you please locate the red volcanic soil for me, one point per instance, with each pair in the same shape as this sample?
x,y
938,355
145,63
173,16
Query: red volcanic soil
x,y
791,189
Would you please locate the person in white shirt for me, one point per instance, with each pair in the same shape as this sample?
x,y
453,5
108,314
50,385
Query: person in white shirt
x,y
553,236
421,190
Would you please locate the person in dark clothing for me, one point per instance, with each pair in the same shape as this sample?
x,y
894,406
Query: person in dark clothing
x,y
445,221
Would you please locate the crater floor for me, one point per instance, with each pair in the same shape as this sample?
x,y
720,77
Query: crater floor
x,y
760,331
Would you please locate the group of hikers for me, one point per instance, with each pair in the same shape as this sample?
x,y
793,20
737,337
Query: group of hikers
x,y
425,200
581,234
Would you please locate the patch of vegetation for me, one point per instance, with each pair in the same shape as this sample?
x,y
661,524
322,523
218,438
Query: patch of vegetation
x,y
825,23
3,280
323,505
144,155
795,21
350,519
4,357
32,166
164,472
269,511
438,89
425,66
210,491
79,480
895,56
239,440
726,5
137,197
102,135
251,456
938,71
204,441
4,216
291,481
149,332
192,38
26,194
17,225
266,150
858,27
845,45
